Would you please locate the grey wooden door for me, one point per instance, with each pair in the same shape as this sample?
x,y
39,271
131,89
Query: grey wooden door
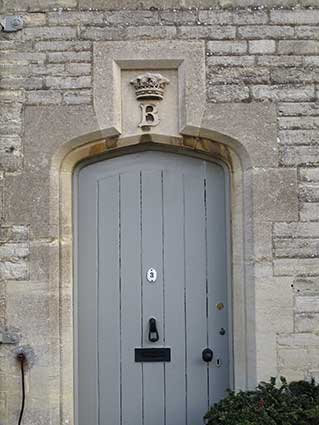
x,y
133,213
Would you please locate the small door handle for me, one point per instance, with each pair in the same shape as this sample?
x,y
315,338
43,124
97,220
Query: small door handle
x,y
153,332
207,355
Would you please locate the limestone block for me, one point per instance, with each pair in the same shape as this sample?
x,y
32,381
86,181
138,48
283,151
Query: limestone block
x,y
307,322
278,199
282,60
298,137
43,260
237,75
265,32
28,311
228,93
72,45
262,47
75,18
33,209
309,192
14,270
309,211
307,285
298,47
77,97
43,97
11,156
263,241
294,17
296,340
253,124
69,82
293,358
14,233
216,32
212,17
274,314
296,248
61,57
296,230
283,93
35,5
306,123
151,32
230,60
309,174
308,32
49,33
227,47
307,304
136,17
299,155
250,17
292,267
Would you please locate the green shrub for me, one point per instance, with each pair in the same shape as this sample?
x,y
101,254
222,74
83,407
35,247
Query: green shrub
x,y
296,403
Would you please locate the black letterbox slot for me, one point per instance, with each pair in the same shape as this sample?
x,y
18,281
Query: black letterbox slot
x,y
152,354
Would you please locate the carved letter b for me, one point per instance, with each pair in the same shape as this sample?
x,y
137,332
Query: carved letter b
x,y
149,115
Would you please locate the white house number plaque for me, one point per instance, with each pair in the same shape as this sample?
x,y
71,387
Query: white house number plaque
x,y
151,275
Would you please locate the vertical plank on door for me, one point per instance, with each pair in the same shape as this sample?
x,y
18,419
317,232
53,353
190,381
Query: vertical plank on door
x,y
152,292
196,322
131,298
109,302
217,281
175,399
87,300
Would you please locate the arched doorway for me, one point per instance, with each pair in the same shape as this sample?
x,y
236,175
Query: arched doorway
x,y
152,289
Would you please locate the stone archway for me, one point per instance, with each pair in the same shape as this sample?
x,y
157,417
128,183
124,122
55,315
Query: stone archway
x,y
243,312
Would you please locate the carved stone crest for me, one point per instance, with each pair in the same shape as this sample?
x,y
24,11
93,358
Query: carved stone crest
x,y
150,86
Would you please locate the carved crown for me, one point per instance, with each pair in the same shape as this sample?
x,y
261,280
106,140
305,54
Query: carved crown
x,y
150,86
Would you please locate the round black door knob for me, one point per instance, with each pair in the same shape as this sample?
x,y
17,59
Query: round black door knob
x,y
207,355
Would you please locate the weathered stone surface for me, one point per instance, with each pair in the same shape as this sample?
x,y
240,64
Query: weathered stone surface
x,y
262,47
279,198
299,155
283,93
49,33
307,322
260,107
297,109
296,230
309,174
294,17
258,129
73,45
296,267
237,75
214,32
296,248
265,31
227,93
43,97
227,47
230,60
298,47
298,137
307,304
282,60
309,211
68,82
13,270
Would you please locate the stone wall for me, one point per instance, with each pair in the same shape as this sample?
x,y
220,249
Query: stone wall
x,y
264,52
